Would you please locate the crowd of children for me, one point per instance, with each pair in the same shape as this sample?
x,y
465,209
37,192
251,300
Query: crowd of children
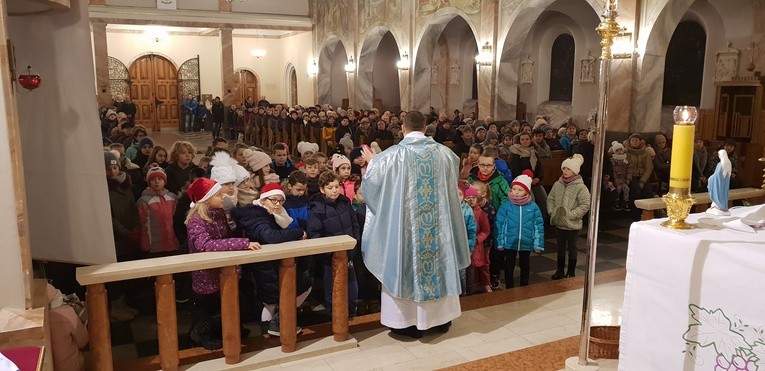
x,y
162,203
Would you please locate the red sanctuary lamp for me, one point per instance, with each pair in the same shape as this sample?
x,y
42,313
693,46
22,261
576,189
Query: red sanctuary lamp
x,y
30,80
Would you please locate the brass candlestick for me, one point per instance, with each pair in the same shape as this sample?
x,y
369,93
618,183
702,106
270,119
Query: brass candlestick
x,y
679,200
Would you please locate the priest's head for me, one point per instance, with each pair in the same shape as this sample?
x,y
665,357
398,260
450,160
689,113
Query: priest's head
x,y
414,121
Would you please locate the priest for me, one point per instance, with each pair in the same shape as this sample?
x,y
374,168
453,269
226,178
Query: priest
x,y
415,240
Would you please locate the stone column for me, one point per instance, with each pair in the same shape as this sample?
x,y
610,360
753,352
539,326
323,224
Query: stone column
x,y
101,52
486,74
227,64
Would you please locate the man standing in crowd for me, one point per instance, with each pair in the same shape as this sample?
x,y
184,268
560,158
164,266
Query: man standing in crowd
x,y
415,239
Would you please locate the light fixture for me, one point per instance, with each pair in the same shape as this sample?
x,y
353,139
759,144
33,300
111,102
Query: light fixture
x,y
258,53
485,57
622,47
403,64
313,69
156,34
351,66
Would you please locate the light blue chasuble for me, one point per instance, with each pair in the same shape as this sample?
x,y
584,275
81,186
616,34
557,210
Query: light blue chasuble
x,y
415,240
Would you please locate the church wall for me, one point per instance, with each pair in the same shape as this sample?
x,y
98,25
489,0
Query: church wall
x,y
289,7
298,52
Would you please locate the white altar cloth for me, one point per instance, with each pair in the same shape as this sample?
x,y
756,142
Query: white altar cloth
x,y
694,299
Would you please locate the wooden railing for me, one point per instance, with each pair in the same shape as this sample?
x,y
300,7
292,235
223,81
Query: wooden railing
x,y
649,205
96,276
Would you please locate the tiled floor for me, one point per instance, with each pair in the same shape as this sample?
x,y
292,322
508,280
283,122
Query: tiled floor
x,y
478,334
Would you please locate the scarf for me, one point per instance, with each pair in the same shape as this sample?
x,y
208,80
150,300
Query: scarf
x,y
567,181
281,216
520,200
522,151
635,151
484,178
622,157
120,177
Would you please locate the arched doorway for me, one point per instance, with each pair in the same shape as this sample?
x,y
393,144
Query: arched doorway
x,y
684,65
292,93
154,89
377,68
246,84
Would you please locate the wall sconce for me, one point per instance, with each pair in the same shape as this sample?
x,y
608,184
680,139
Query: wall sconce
x,y
351,66
156,35
623,47
258,53
313,69
403,64
485,57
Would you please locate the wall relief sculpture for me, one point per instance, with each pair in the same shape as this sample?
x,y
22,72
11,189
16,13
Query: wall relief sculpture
x,y
726,67
527,71
431,6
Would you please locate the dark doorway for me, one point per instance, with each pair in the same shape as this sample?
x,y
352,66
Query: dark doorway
x,y
684,65
562,69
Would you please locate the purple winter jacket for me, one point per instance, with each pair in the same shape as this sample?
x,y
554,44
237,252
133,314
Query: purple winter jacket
x,y
215,236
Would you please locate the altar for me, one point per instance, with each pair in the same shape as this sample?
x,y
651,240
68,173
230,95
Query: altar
x,y
694,299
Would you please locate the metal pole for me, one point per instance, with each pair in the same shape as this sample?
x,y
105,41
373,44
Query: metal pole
x,y
607,29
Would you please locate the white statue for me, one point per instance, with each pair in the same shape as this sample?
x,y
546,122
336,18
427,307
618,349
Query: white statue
x,y
586,73
527,67
454,76
719,185
434,74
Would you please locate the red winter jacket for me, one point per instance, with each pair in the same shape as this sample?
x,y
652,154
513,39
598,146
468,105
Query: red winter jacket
x,y
155,212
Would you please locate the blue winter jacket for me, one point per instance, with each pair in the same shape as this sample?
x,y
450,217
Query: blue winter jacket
x,y
520,227
328,218
297,209
472,226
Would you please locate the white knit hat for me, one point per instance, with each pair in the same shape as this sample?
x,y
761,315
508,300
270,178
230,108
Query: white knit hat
x,y
615,145
524,180
346,141
240,173
302,147
573,163
223,168
256,160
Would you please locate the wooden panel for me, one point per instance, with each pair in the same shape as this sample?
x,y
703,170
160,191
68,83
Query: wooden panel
x,y
141,82
166,84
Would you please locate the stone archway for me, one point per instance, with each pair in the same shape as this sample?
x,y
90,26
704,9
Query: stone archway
x,y
512,46
332,79
377,76
444,63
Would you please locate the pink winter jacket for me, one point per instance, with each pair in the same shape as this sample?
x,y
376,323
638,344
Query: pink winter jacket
x,y
155,212
215,236
68,333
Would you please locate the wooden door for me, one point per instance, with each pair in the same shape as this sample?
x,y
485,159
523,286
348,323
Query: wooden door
x,y
246,84
293,89
153,86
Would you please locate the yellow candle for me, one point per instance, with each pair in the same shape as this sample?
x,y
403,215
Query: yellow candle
x,y
682,155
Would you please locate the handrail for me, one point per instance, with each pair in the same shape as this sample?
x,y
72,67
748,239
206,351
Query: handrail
x,y
128,270
95,277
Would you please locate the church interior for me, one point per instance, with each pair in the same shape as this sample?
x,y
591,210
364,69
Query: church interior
x,y
644,296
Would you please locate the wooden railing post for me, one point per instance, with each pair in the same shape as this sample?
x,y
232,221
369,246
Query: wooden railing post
x,y
167,322
287,305
229,300
340,295
98,328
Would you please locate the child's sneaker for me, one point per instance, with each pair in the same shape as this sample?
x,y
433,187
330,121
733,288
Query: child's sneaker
x,y
627,206
273,326
616,206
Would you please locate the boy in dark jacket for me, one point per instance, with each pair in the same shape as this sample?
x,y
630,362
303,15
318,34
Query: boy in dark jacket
x,y
332,215
369,286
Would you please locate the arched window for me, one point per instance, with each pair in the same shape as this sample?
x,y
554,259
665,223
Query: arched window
x,y
684,65
562,68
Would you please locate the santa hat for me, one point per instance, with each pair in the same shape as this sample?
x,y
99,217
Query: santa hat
x,y
615,145
524,180
573,163
155,171
256,160
338,159
223,168
272,189
304,147
470,191
202,190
